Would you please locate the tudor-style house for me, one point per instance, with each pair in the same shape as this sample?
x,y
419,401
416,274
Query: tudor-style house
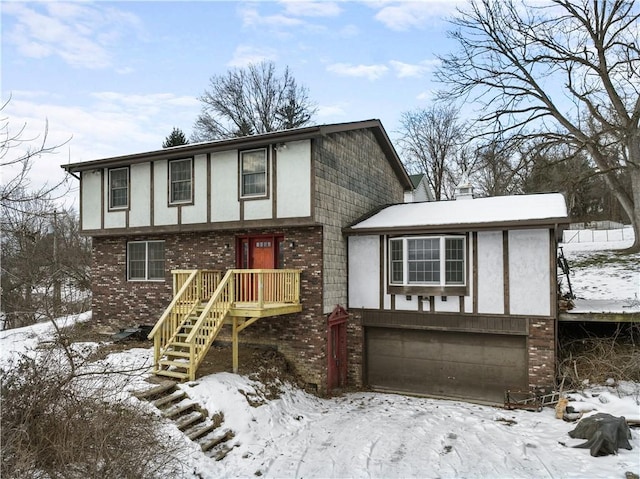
x,y
458,298
244,233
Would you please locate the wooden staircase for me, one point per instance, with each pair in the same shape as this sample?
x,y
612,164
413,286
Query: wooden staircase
x,y
204,301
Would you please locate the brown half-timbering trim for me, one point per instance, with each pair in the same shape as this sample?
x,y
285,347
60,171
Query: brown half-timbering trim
x,y
193,227
179,214
432,304
208,160
241,210
383,282
102,198
420,305
461,301
491,324
274,180
178,204
505,268
393,302
457,228
152,194
475,271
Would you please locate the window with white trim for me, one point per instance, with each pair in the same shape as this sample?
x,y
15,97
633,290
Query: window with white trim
x,y
253,173
118,188
427,261
180,175
145,260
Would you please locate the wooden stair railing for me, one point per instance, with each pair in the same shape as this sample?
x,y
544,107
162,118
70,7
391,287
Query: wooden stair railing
x,y
192,287
182,339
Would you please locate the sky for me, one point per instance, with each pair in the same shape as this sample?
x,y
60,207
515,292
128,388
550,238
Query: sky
x,y
113,78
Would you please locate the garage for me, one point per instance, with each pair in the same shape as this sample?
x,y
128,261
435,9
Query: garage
x,y
453,364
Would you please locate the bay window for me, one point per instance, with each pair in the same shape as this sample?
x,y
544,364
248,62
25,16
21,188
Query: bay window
x,y
427,261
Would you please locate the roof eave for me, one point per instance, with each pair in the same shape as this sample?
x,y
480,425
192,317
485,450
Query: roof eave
x,y
554,222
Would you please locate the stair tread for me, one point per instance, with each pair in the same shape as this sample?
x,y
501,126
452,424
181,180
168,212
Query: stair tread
x,y
177,364
174,396
199,430
171,374
178,408
188,419
163,387
177,354
216,439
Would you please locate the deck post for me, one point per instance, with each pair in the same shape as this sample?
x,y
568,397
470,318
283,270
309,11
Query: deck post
x,y
261,289
234,342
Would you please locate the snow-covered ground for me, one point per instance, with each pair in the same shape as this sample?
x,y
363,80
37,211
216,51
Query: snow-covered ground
x,y
601,278
378,435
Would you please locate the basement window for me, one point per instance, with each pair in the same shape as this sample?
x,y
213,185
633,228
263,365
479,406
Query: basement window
x,y
145,261
427,261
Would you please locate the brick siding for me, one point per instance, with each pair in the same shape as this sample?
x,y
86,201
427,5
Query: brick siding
x,y
542,354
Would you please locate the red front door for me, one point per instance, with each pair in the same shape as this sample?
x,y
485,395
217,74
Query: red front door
x,y
257,252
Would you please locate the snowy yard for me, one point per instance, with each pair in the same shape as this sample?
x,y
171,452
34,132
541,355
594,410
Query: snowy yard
x,y
377,435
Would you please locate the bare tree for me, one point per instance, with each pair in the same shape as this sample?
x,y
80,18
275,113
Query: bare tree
x,y
430,143
564,72
499,169
44,259
252,100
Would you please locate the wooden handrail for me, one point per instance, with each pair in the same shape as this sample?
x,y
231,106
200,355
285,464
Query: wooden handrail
x,y
177,297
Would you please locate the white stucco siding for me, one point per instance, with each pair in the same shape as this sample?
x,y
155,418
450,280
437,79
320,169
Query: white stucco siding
x,y
450,305
140,203
490,288
404,304
197,212
258,209
224,186
294,180
163,214
91,199
364,271
529,272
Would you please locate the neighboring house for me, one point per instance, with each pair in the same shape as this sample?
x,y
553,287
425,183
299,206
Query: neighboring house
x,y
458,298
420,190
248,228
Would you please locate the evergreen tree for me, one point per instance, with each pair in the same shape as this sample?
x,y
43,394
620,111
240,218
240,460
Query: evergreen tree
x,y
176,138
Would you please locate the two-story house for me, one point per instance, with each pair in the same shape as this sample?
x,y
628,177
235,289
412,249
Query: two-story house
x,y
245,232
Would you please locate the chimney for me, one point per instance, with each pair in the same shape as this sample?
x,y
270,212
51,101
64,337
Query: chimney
x,y
464,190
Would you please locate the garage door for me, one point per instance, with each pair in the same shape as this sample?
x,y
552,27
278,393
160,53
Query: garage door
x,y
444,363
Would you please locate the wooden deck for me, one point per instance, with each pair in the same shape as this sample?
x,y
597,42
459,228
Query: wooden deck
x,y
204,301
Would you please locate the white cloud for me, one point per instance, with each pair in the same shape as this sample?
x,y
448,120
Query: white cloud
x,y
426,96
311,9
245,55
250,18
372,72
402,16
408,70
330,111
110,124
82,34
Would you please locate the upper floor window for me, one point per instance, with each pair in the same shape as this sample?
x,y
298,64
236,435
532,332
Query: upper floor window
x,y
253,168
428,261
118,188
145,260
180,181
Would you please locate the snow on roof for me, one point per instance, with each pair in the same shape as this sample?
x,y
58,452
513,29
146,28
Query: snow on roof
x,y
497,209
